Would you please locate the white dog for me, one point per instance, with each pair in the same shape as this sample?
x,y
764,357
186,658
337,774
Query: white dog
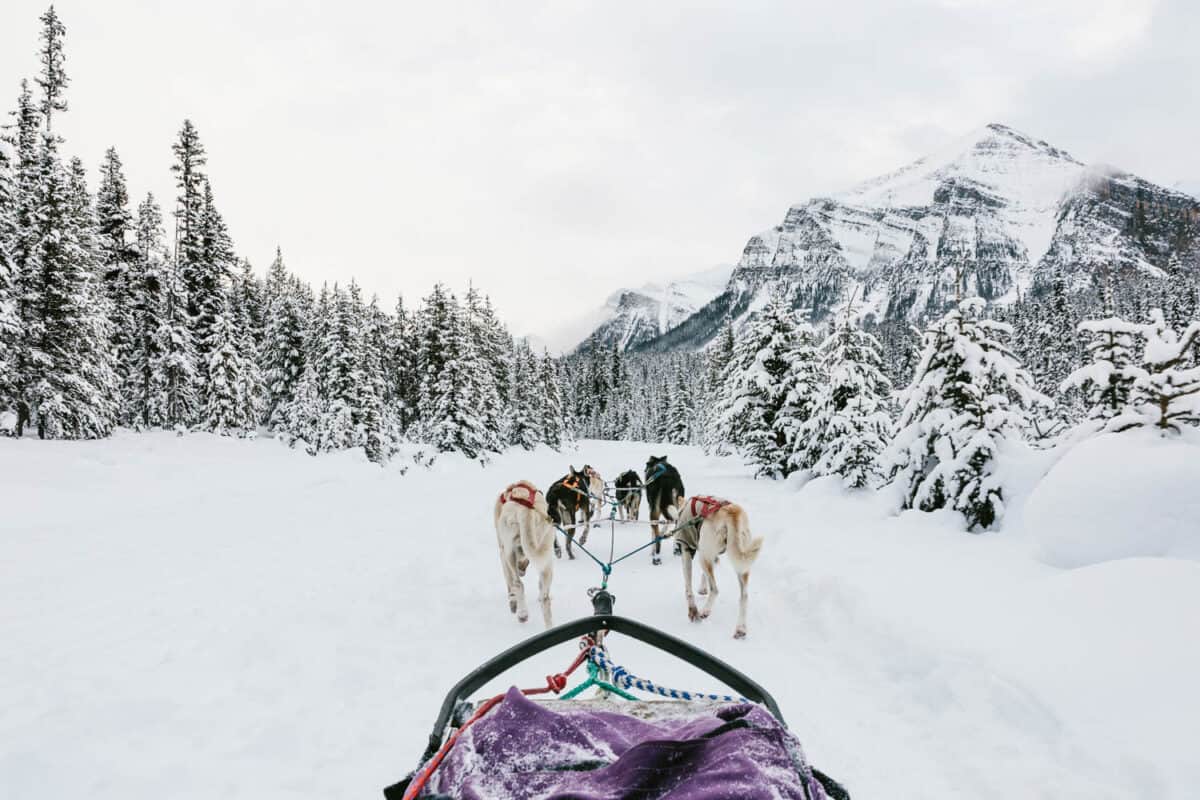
x,y
525,536
709,527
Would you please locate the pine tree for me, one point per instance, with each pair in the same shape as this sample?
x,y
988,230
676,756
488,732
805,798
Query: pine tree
x,y
225,410
284,346
403,349
554,427
756,390
53,78
1166,393
26,278
525,415
849,425
1108,381
117,256
143,389
189,164
72,386
969,397
175,402
486,369
10,323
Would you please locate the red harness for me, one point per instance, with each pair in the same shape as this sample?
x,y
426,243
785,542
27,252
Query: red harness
x,y
707,505
531,493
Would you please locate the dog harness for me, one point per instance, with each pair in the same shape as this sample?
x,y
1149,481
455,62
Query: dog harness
x,y
528,488
704,506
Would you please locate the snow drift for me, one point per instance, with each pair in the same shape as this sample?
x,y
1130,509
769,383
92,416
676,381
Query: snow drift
x,y
1118,496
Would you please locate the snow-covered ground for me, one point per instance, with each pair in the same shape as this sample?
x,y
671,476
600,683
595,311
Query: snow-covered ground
x,y
202,617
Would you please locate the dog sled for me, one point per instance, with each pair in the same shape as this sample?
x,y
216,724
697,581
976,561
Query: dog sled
x,y
682,745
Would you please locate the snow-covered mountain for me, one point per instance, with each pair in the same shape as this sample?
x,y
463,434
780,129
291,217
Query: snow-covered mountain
x,y
632,317
1006,212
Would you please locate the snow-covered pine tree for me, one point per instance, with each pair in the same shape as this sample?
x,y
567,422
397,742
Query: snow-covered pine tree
x,y
53,76
1166,393
174,363
1107,383
114,226
800,386
341,357
225,410
403,347
283,348
968,399
27,165
525,412
487,372
680,419
849,425
190,159
449,419
211,277
757,388
554,426
10,323
378,408
72,386
716,364
144,388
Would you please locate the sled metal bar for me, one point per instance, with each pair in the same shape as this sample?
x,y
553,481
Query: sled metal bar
x,y
693,655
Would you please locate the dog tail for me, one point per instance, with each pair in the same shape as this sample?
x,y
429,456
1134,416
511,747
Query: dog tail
x,y
747,544
672,509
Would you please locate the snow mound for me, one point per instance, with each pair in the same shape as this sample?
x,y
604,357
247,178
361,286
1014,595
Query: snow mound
x,y
1118,496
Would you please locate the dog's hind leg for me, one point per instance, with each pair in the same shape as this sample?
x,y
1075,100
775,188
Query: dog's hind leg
x,y
546,575
656,550
693,613
509,586
743,581
518,589
706,564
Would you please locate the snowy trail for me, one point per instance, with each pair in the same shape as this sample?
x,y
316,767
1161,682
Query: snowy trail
x,y
196,617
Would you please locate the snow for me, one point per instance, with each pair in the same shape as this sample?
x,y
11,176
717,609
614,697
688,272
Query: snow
x,y
1115,496
198,616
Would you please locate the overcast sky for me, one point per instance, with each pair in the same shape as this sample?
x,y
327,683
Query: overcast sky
x,y
553,152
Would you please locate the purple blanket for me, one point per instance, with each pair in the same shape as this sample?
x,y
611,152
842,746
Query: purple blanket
x,y
524,750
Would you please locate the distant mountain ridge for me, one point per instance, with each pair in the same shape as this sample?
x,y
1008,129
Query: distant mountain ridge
x,y
632,317
1005,211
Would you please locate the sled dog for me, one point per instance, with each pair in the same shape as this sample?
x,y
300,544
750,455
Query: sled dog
x,y
569,498
707,528
664,493
525,536
629,494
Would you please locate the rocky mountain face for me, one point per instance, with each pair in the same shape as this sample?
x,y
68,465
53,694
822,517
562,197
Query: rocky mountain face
x,y
996,214
633,317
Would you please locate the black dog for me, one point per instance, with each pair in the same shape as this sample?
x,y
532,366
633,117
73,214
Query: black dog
x,y
664,493
629,494
567,497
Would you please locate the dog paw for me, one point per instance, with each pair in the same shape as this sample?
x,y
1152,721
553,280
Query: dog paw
x,y
523,617
512,606
693,614
740,633
656,561
704,614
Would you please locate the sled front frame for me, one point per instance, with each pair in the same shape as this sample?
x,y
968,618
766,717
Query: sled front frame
x,y
709,664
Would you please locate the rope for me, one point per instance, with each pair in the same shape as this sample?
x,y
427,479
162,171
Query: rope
x,y
554,683
621,677
595,679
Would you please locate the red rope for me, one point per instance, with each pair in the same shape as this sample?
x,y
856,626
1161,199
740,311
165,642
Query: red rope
x,y
554,683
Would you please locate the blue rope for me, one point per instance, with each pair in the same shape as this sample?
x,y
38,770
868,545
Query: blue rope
x,y
624,679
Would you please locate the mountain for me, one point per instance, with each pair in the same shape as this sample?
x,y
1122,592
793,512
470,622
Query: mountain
x,y
632,317
1004,212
